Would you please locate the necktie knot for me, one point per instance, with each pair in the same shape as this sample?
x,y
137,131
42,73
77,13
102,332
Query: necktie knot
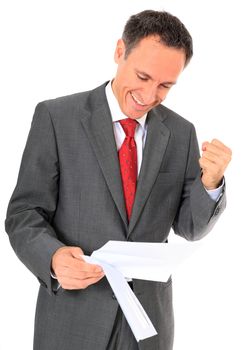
x,y
129,126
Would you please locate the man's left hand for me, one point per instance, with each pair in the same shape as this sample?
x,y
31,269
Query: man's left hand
x,y
213,162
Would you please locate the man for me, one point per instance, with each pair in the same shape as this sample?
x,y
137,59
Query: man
x,y
90,174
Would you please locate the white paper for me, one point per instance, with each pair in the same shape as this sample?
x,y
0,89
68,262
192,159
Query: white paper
x,y
146,261
134,313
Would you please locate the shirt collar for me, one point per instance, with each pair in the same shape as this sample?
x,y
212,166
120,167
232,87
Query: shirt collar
x,y
114,107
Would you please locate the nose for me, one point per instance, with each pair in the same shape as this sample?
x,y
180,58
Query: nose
x,y
149,94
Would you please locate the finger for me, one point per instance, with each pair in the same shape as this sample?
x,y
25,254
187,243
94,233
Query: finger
x,y
77,263
90,281
208,165
221,145
66,272
71,267
92,267
220,159
77,252
216,155
79,272
81,266
68,283
212,157
79,255
216,150
209,147
216,146
204,146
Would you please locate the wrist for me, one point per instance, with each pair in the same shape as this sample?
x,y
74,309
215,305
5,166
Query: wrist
x,y
211,184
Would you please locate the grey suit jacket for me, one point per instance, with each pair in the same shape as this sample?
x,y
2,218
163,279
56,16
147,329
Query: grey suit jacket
x,y
69,192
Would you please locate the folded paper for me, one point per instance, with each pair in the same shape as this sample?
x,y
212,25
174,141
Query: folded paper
x,y
146,261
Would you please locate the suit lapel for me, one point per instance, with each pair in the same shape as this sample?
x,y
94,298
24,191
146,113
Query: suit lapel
x,y
156,143
99,130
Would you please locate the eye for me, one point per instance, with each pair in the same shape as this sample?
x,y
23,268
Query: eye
x,y
141,77
166,86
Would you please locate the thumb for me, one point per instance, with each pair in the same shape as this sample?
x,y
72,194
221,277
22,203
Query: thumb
x,y
204,145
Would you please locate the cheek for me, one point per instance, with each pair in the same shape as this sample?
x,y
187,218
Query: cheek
x,y
163,95
131,83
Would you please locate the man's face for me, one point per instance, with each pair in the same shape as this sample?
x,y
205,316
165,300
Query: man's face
x,y
143,79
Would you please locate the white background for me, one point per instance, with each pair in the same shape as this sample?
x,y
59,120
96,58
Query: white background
x,y
54,48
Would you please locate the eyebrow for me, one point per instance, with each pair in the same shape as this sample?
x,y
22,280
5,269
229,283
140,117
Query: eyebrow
x,y
146,75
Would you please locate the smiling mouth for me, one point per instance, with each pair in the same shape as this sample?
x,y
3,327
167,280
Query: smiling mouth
x,y
137,101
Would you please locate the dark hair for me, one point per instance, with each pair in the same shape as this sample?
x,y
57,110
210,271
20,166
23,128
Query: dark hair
x,y
167,27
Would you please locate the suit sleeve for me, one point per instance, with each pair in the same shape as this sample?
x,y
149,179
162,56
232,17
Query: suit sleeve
x,y
197,212
34,200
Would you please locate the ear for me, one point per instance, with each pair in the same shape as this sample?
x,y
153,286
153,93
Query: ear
x,y
119,51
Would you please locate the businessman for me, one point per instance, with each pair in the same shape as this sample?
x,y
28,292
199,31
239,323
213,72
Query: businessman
x,y
113,164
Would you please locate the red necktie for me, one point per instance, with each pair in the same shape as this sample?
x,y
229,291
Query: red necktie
x,y
128,163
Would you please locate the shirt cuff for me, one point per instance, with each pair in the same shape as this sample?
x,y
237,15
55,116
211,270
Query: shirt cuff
x,y
217,192
56,285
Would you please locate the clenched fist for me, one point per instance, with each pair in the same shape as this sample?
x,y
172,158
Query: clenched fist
x,y
213,162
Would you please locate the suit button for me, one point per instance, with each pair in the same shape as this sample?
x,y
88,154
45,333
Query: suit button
x,y
113,296
217,211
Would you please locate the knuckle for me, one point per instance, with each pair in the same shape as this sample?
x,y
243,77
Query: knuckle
x,y
84,284
215,142
77,250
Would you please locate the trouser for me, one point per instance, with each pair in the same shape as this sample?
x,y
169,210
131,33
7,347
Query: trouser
x,y
122,337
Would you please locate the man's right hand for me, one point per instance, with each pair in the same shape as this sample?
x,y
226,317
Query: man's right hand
x,y
72,271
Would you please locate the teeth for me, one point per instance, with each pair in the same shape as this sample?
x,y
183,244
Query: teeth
x,y
136,100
